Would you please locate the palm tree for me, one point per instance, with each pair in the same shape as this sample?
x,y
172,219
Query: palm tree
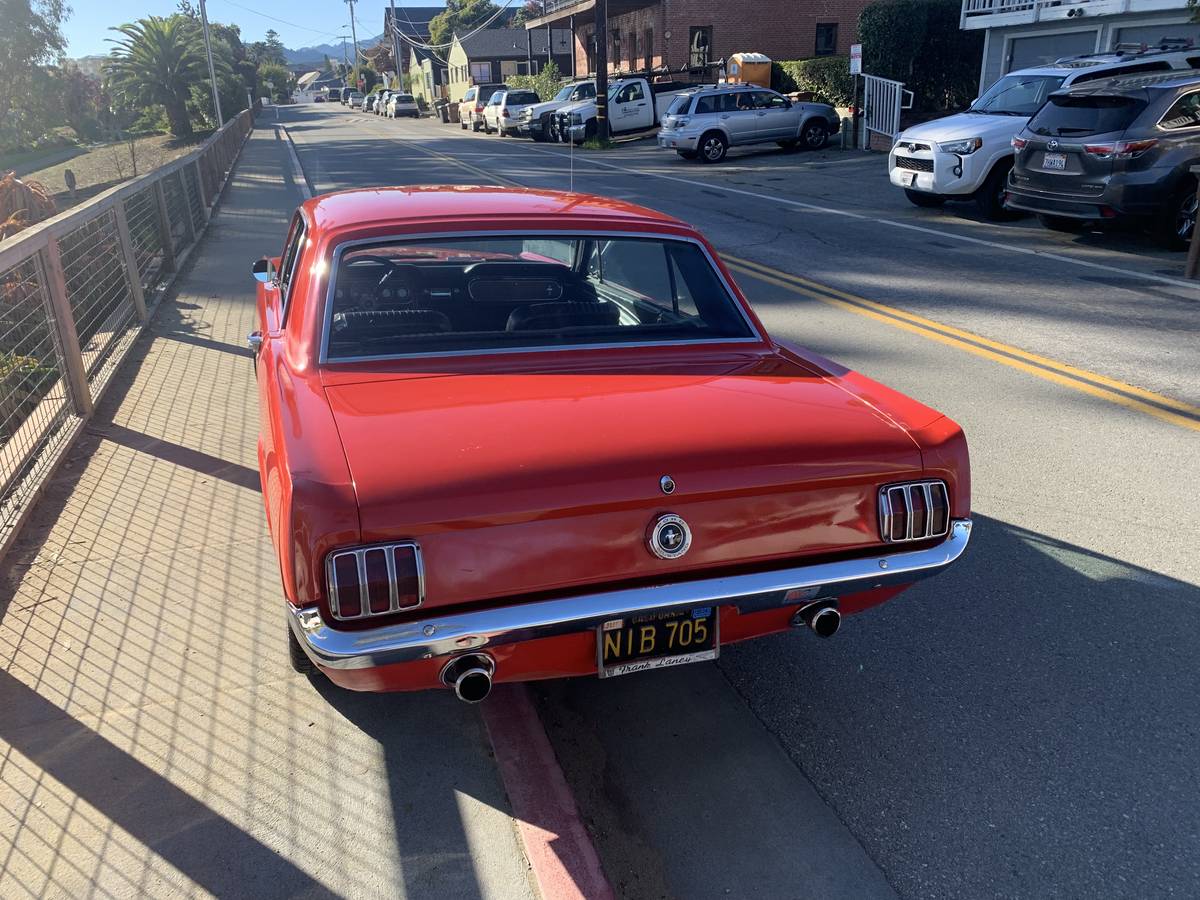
x,y
158,61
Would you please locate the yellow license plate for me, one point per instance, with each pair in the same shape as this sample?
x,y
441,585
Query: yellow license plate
x,y
657,641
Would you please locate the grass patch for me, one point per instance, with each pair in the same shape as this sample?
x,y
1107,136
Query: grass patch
x,y
598,144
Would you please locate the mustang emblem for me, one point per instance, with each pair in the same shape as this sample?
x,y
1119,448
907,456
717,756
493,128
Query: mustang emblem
x,y
669,537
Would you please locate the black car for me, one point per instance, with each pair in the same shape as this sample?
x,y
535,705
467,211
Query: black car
x,y
1115,149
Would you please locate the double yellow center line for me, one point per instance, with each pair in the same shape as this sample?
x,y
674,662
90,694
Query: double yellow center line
x,y
1134,398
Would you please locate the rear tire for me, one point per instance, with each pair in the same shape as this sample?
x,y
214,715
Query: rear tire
x,y
989,199
813,135
1175,230
924,200
297,657
462,123
713,147
1061,223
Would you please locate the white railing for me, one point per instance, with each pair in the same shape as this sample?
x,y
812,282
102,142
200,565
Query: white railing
x,y
76,290
882,101
986,13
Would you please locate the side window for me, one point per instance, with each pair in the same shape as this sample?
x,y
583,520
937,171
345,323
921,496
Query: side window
x,y
290,260
639,267
743,100
1184,113
764,100
631,92
707,104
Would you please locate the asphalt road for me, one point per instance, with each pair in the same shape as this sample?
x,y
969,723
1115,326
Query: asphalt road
x,y
1026,724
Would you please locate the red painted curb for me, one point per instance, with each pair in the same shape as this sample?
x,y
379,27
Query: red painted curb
x,y
560,851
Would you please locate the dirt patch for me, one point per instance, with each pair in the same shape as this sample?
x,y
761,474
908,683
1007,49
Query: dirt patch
x,y
107,164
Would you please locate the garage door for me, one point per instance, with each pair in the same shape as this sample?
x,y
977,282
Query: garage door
x,y
1037,51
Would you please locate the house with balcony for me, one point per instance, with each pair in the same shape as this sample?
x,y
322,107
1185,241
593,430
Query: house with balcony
x,y
681,34
1023,33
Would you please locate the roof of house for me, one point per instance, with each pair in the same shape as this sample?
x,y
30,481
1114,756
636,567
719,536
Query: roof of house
x,y
505,43
412,20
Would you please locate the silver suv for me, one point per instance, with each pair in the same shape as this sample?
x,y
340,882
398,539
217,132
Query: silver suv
x,y
704,123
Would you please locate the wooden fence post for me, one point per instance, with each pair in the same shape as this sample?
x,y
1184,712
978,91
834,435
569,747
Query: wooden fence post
x,y
64,323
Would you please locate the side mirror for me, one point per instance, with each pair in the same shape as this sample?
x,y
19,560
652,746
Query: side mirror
x,y
263,270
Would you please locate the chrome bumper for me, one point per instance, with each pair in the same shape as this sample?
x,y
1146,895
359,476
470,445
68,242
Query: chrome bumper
x,y
448,634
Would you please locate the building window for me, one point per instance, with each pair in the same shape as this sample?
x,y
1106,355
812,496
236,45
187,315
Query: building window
x,y
481,72
590,43
648,49
632,51
827,39
699,45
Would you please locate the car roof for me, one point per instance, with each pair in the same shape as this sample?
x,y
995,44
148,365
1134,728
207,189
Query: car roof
x,y
1138,83
454,203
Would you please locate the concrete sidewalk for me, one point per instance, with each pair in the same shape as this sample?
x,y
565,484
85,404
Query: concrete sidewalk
x,y
153,740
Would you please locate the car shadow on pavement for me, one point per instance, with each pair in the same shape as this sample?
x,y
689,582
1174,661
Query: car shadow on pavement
x,y
1023,725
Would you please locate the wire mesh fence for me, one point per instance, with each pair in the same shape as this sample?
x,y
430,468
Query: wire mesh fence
x,y
73,295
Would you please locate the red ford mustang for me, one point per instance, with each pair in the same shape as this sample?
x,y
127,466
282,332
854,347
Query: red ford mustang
x,y
516,434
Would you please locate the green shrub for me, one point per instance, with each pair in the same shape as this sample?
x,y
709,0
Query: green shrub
x,y
919,42
827,77
545,83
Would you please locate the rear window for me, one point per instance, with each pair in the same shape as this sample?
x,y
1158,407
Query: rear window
x,y
404,98
482,294
521,97
679,105
1067,115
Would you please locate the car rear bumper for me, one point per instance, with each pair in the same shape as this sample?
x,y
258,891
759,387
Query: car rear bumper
x,y
1125,196
442,635
678,140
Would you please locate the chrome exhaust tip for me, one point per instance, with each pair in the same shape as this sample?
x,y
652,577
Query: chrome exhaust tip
x,y
822,617
470,677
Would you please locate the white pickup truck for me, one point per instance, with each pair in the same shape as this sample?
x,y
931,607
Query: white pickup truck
x,y
537,120
634,104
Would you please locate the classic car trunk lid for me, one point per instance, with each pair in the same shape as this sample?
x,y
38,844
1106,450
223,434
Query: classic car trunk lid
x,y
522,483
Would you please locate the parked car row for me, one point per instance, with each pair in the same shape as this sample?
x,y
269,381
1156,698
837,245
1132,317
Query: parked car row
x,y
1095,138
697,121
393,104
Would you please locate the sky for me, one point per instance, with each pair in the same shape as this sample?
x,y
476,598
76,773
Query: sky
x,y
305,23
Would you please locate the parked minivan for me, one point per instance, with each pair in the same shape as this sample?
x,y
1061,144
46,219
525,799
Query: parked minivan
x,y
470,109
1116,149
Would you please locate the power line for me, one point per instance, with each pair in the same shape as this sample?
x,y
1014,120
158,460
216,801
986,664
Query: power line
x,y
279,20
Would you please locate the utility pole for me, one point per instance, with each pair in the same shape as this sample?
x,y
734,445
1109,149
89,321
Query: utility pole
x,y
212,72
602,70
354,34
396,47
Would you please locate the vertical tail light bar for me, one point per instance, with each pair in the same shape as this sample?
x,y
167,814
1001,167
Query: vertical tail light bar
x,y
914,511
375,581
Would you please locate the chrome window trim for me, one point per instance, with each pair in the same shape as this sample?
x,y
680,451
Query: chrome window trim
x,y
1161,127
364,599
756,337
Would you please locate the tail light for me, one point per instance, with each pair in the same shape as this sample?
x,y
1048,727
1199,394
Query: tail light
x,y
478,108
375,580
1119,149
1018,143
914,511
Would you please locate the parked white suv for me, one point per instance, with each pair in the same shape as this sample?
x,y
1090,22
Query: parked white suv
x,y
968,156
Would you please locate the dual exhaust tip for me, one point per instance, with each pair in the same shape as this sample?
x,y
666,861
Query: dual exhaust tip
x,y
822,617
470,676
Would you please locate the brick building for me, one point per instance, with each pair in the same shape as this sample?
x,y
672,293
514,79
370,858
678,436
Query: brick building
x,y
646,34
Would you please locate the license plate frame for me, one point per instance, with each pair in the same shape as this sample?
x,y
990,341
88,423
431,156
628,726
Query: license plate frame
x,y
1059,162
624,631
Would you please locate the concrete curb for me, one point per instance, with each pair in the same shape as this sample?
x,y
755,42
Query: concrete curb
x,y
559,849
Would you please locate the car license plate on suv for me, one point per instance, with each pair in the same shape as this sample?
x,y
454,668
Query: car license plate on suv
x,y
1054,161
656,641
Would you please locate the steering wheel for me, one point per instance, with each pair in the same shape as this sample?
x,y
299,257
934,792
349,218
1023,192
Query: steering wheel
x,y
383,283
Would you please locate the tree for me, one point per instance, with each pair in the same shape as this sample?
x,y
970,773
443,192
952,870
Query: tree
x,y
545,83
158,61
532,9
280,79
82,99
273,51
29,39
460,16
